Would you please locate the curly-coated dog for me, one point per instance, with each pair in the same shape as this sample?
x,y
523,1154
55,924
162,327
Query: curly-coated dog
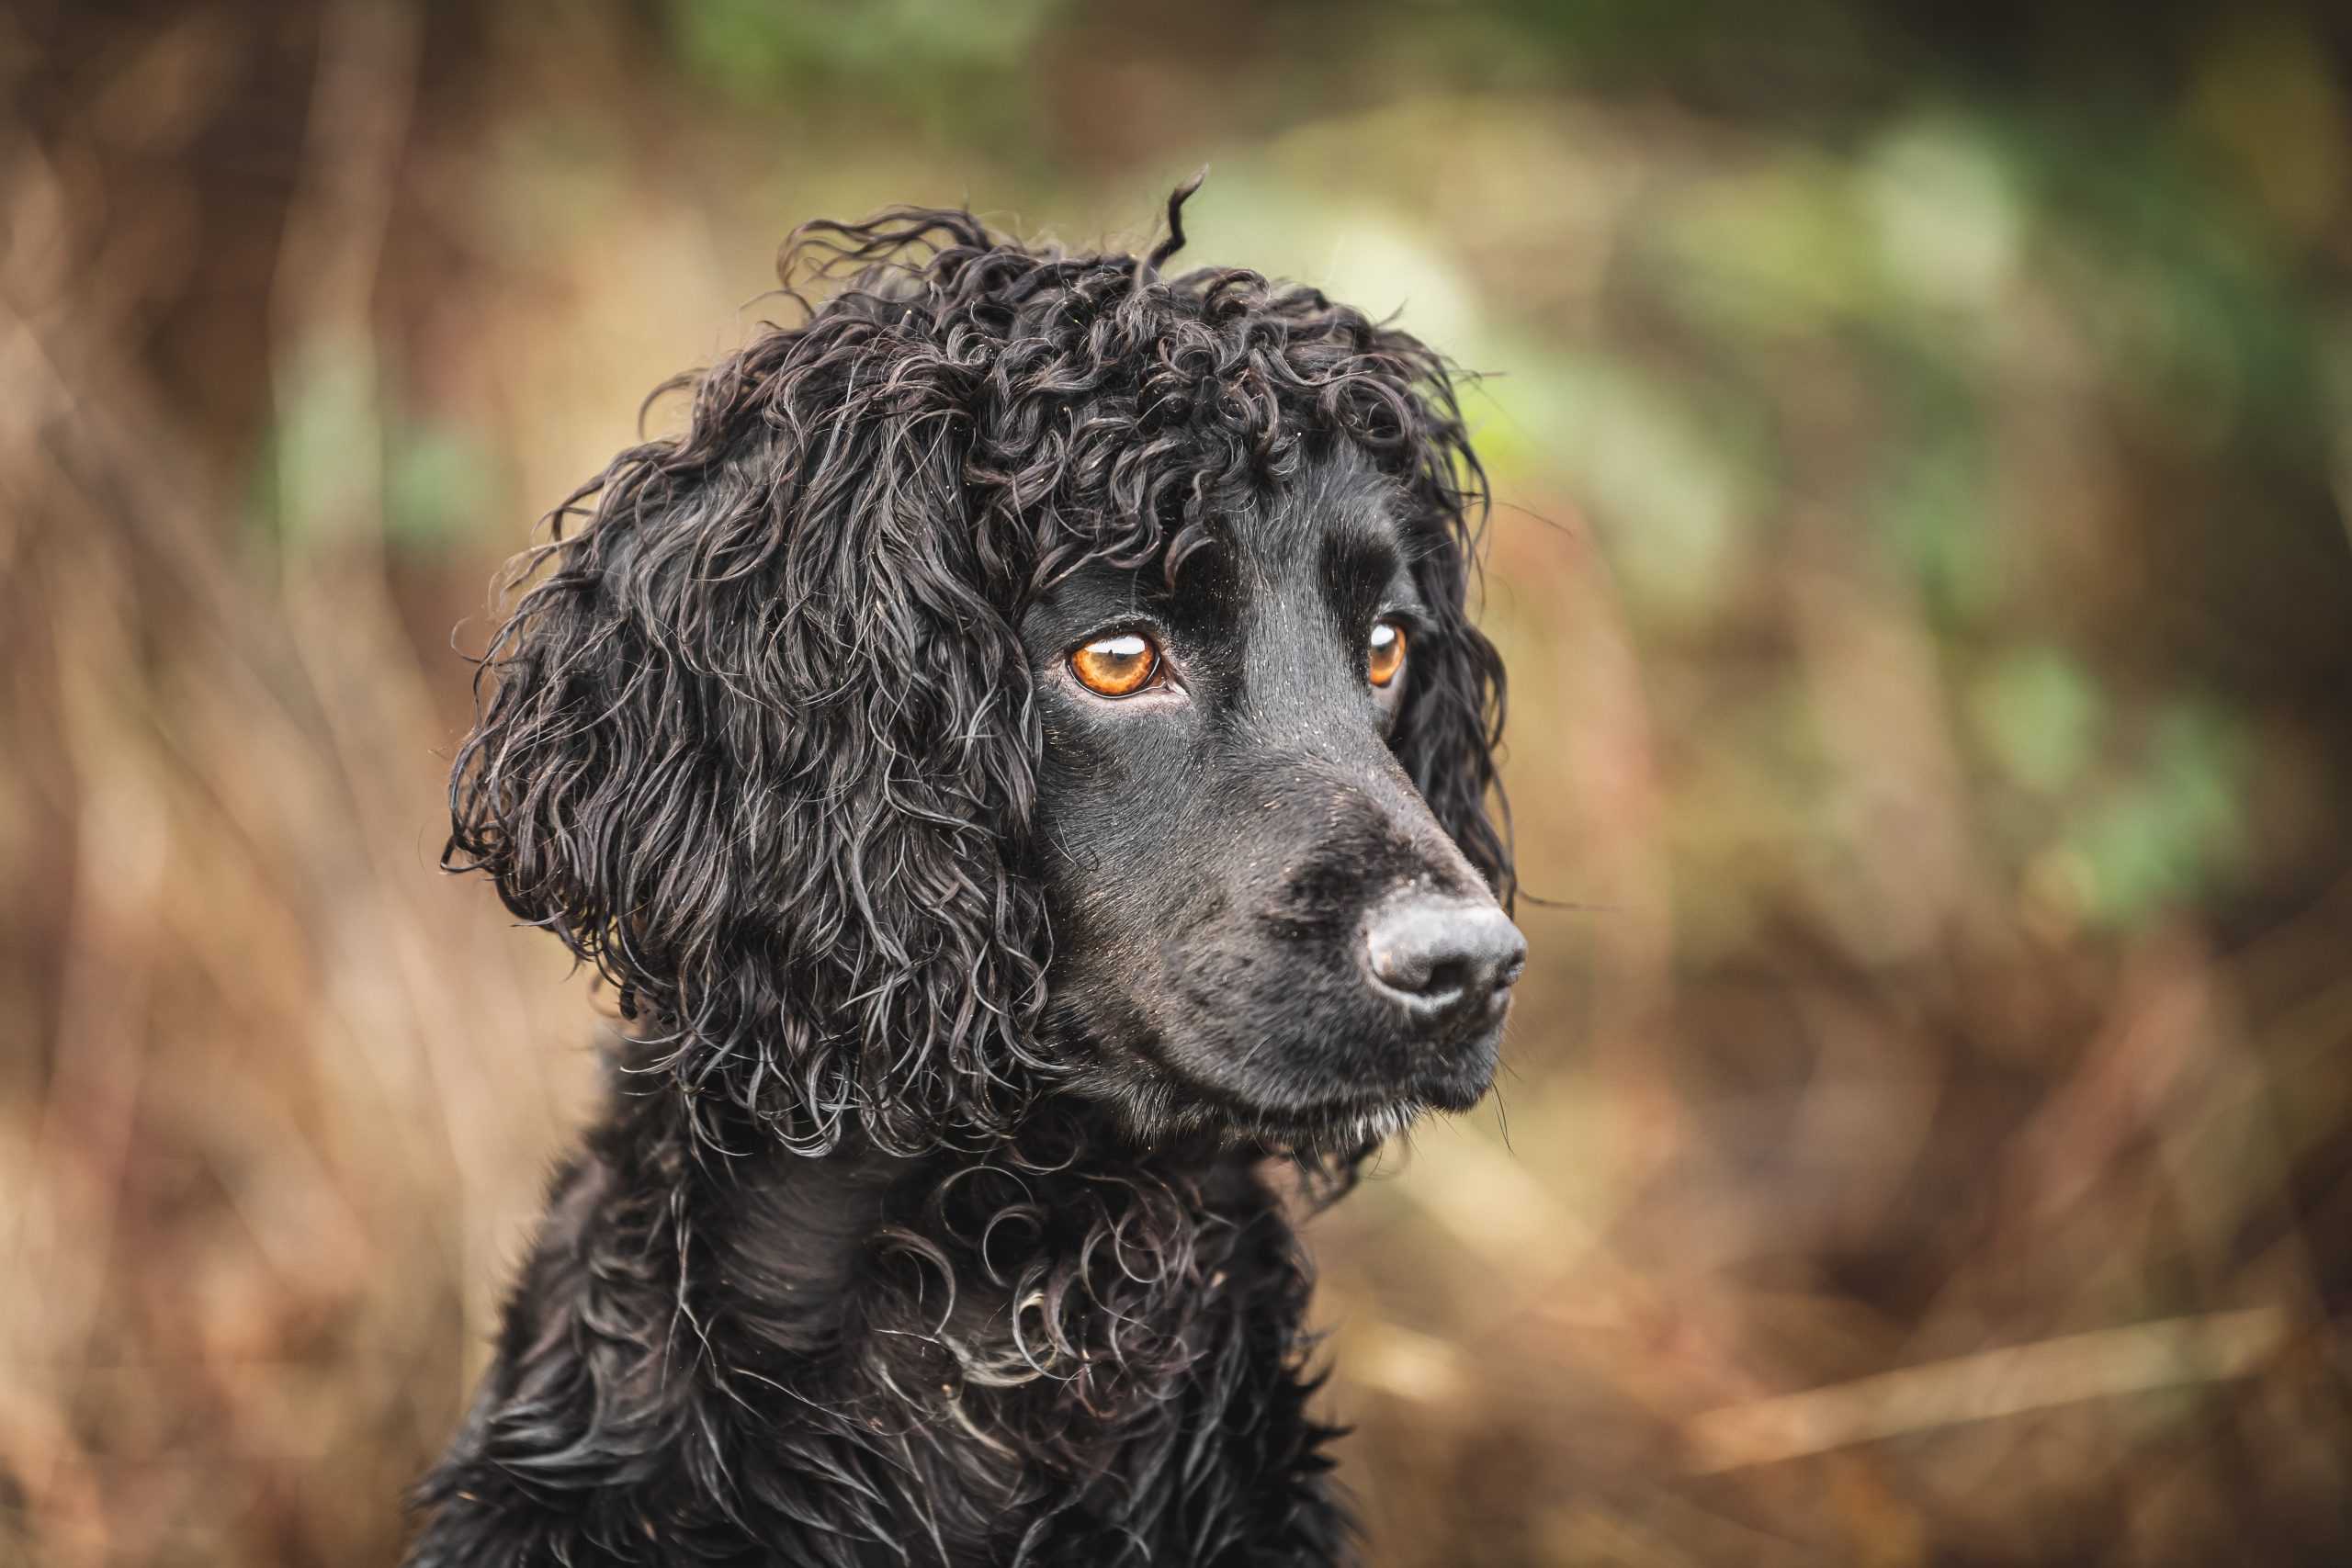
x,y
1022,760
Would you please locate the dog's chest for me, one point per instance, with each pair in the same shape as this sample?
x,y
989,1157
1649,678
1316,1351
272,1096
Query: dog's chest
x,y
1060,1360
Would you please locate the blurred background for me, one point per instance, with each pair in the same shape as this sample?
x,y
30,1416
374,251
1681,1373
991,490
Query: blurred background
x,y
1922,438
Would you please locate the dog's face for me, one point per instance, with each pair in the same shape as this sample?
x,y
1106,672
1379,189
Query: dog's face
x,y
862,736
1259,925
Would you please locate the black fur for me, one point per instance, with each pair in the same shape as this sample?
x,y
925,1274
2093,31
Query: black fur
x,y
927,1222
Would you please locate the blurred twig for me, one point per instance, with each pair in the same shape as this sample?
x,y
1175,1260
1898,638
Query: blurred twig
x,y
2011,1381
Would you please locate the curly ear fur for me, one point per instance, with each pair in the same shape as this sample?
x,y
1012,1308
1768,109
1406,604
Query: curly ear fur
x,y
758,744
1451,720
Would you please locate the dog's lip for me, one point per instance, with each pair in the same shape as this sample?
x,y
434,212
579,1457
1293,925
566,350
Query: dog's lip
x,y
1469,1066
1452,1085
1449,1077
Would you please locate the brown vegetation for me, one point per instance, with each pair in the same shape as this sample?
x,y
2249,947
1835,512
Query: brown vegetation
x,y
1928,1130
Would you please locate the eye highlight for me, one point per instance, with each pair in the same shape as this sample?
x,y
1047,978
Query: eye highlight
x,y
1117,666
1383,653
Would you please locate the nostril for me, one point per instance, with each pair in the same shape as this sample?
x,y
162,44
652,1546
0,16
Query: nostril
x,y
1448,978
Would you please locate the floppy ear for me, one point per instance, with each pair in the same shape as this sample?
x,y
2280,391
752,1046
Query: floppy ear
x,y
757,745
1452,718
1394,398
1451,721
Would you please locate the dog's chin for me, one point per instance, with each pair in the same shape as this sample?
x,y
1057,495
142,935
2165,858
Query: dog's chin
x,y
1338,1132
1350,1127
1344,1125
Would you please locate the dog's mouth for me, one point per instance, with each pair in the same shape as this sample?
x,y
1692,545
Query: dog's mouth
x,y
1354,1123
1331,1085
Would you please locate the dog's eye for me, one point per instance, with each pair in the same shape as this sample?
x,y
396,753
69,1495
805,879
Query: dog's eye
x,y
1386,654
1115,666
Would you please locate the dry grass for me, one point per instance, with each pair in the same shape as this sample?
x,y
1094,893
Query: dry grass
x,y
1872,1182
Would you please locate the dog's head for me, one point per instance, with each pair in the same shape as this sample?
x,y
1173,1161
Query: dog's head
x,y
1027,674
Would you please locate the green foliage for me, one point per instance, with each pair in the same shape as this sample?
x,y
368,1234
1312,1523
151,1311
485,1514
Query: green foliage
x,y
440,480
2038,712
2159,836
755,47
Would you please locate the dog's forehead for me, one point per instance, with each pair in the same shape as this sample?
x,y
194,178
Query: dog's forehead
x,y
1319,544
1341,506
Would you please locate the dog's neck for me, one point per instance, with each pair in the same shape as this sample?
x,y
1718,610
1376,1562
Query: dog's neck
x,y
996,1343
792,1254
796,1257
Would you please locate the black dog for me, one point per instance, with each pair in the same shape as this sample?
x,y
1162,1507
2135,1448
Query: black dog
x,y
1023,762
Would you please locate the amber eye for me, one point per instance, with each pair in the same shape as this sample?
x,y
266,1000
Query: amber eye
x,y
1114,666
1386,654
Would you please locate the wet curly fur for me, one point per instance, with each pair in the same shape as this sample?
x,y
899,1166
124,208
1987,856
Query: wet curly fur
x,y
920,1227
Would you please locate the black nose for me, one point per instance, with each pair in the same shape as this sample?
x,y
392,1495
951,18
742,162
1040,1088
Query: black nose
x,y
1443,956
